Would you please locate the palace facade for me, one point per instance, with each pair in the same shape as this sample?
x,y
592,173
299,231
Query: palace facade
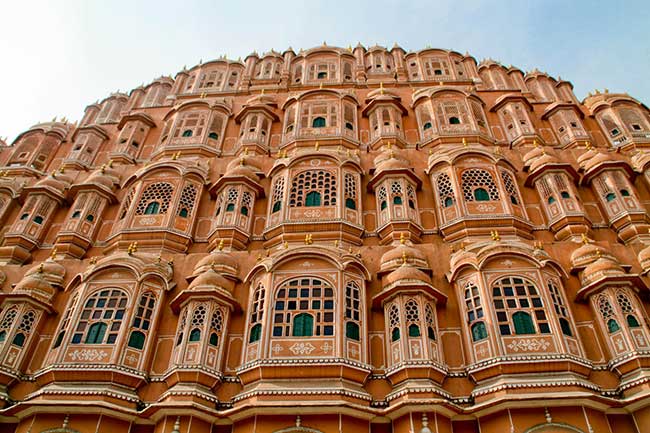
x,y
326,241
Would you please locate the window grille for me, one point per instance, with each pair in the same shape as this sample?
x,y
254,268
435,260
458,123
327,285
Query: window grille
x,y
512,295
320,181
475,178
445,190
188,198
300,296
160,192
101,318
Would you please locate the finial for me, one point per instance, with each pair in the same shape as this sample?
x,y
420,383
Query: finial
x,y
298,421
159,258
539,245
402,239
336,243
535,143
430,151
381,87
61,170
246,151
585,239
286,245
547,415
132,248
464,142
93,260
321,86
588,145
203,95
103,168
177,425
220,246
40,268
66,421
403,258
262,91
110,163
259,257
316,146
53,253
54,174
308,240
495,235
241,161
54,119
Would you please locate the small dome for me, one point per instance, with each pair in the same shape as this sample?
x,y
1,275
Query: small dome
x,y
601,268
50,270
220,261
587,254
211,280
407,273
36,285
56,181
533,154
542,161
106,176
390,160
394,257
644,258
243,167
596,158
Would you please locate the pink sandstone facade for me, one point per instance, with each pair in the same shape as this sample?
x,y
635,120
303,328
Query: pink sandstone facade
x,y
334,240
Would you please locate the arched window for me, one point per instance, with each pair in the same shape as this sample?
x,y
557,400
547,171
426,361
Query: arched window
x,y
397,200
523,323
394,322
64,323
454,120
318,122
187,200
313,188
610,196
565,194
352,310
479,331
560,308
303,297
187,133
197,322
551,200
430,321
412,310
510,187
514,295
303,325
625,193
350,204
478,179
427,125
152,208
77,214
142,320
612,326
350,192
213,136
7,323
38,219
101,317
90,218
628,310
256,333
278,190
312,199
445,190
277,206
24,328
216,327
159,193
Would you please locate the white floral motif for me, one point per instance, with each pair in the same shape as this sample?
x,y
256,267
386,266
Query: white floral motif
x,y
131,358
307,264
252,352
147,221
486,207
326,347
315,213
87,355
528,345
302,348
277,348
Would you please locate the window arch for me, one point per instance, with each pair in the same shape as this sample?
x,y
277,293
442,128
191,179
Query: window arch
x,y
393,320
321,182
216,327
350,192
475,313
560,308
352,310
445,190
412,310
510,187
429,317
187,200
159,193
477,182
101,317
142,320
197,322
628,310
310,298
278,192
7,323
513,295
64,323
257,314
607,313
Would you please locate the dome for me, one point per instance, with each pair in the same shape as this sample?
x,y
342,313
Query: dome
x,y
394,257
407,273
211,280
36,285
50,270
243,167
587,254
601,268
542,161
596,158
220,261
105,176
582,159
644,258
534,153
55,181
390,160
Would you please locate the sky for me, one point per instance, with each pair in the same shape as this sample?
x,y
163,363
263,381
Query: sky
x,y
57,57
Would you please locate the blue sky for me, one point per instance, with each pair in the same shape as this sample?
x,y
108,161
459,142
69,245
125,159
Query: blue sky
x,y
58,57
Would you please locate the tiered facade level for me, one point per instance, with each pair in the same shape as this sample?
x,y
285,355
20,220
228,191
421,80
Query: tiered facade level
x,y
333,240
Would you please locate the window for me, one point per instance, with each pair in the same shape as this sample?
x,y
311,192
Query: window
x,y
24,328
551,200
38,219
518,301
101,317
198,322
152,208
479,332
478,179
187,133
628,310
397,200
560,308
142,320
394,322
510,187
303,325
610,197
278,190
77,214
625,193
312,199
427,125
277,206
159,193
310,298
352,310
565,194
322,75
318,122
350,191
256,333
257,313
186,202
213,136
313,188
445,190
216,327
430,322
454,120
90,218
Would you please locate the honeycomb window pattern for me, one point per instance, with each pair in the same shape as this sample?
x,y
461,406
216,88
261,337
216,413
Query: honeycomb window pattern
x,y
320,181
475,178
188,198
160,192
445,190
